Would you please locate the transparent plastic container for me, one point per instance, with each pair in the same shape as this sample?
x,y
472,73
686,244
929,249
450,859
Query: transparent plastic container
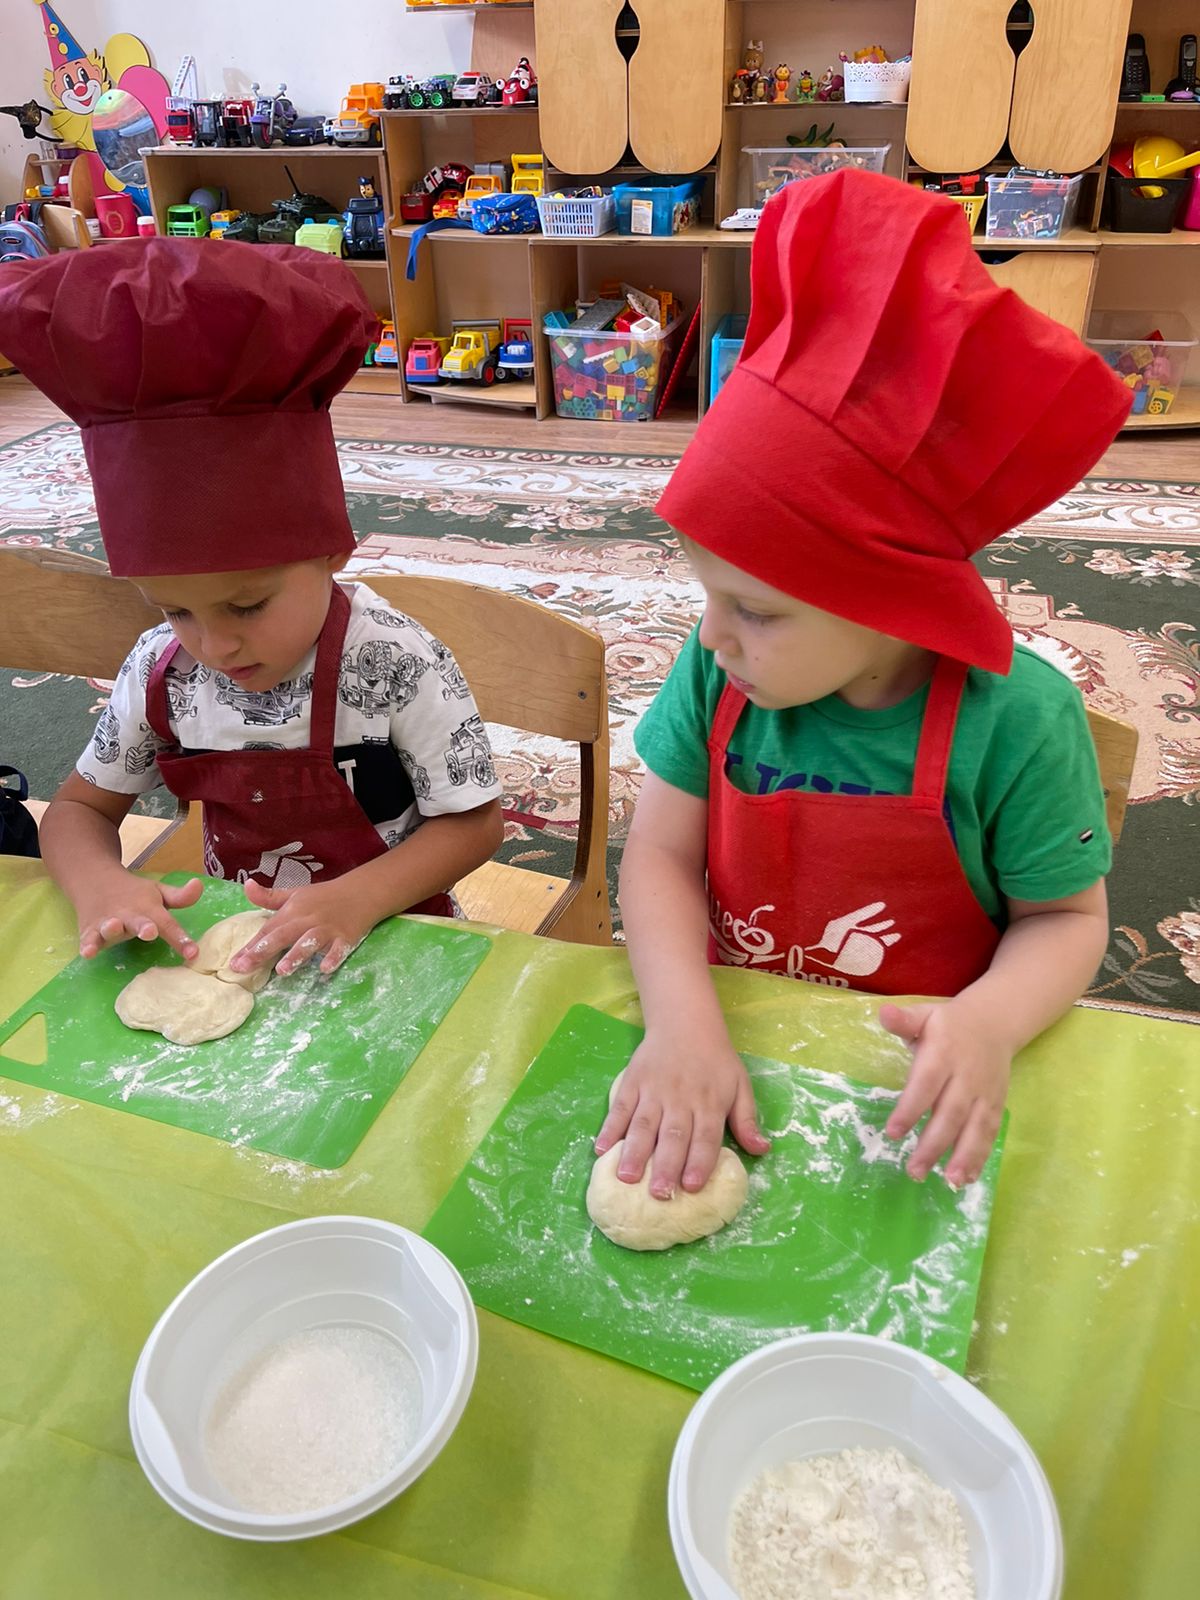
x,y
727,341
773,166
659,209
609,377
1149,350
1031,208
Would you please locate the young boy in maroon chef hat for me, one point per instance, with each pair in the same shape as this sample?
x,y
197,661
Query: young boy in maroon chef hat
x,y
853,778
319,728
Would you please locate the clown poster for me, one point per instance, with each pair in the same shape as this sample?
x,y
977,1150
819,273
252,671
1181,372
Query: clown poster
x,y
110,103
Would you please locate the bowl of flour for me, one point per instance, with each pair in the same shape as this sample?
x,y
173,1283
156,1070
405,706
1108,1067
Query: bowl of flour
x,y
304,1378
846,1467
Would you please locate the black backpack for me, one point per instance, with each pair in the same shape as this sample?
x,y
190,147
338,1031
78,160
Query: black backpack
x,y
18,830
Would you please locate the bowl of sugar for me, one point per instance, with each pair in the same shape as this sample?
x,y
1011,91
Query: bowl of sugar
x,y
839,1463
304,1378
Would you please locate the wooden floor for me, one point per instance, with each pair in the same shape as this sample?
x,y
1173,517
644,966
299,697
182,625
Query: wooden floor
x,y
1169,456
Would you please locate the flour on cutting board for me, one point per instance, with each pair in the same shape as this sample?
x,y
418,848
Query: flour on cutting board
x,y
825,1132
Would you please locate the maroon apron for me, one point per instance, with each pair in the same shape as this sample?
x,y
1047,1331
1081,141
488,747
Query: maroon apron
x,y
284,818
856,891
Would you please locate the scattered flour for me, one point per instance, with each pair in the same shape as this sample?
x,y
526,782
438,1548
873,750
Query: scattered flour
x,y
313,1420
862,1525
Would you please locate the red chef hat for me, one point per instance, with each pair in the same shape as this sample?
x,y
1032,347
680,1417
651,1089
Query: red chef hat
x,y
892,412
201,375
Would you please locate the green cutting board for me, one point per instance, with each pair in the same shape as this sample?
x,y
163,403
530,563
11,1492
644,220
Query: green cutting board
x,y
833,1235
305,1075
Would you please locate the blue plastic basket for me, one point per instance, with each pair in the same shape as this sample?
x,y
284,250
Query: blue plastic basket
x,y
727,341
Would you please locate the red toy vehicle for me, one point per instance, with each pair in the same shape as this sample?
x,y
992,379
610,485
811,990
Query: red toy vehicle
x,y
520,88
181,124
424,359
416,206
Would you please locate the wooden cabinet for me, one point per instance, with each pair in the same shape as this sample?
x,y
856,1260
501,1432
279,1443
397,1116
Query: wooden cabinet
x,y
1053,104
1057,282
664,103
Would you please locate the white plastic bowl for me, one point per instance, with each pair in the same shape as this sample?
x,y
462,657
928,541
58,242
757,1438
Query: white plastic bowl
x,y
818,1393
322,1271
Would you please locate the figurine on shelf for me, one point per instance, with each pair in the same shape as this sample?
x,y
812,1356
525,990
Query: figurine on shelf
x,y
745,79
831,86
806,87
783,77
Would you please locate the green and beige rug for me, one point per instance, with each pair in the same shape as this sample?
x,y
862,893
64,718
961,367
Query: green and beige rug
x,y
1106,584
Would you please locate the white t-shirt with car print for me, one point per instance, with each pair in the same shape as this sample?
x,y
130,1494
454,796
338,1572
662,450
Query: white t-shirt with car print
x,y
408,735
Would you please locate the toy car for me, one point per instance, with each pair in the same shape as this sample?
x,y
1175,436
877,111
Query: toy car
x,y
306,207
472,89
362,222
473,357
233,127
386,353
424,359
306,131
416,206
520,87
358,120
516,350
323,236
187,222
245,229
181,125
395,96
221,221
206,114
431,93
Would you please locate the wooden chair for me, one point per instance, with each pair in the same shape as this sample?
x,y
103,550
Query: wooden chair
x,y
1116,750
528,669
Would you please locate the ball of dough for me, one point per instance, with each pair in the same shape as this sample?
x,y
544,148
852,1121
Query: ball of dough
x,y
629,1215
186,1007
221,943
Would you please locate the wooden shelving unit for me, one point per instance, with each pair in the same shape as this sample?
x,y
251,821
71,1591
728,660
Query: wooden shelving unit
x,y
464,274
256,178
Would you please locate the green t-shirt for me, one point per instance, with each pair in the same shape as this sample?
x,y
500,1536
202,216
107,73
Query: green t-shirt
x,y
1025,804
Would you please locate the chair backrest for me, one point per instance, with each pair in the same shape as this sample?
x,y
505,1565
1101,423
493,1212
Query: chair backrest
x,y
528,668
1116,751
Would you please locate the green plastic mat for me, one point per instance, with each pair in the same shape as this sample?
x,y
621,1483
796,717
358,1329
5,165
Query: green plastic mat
x,y
305,1075
833,1235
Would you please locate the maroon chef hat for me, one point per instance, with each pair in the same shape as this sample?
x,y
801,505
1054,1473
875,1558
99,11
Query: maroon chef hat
x,y
201,375
893,410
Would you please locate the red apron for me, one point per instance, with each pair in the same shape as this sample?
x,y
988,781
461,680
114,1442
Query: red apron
x,y
284,818
857,891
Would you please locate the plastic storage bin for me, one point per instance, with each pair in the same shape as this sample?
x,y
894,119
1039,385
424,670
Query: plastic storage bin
x,y
1136,206
1031,208
772,166
575,218
1149,350
727,341
658,208
608,377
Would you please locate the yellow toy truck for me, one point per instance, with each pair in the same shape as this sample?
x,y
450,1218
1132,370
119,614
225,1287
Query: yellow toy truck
x,y
474,354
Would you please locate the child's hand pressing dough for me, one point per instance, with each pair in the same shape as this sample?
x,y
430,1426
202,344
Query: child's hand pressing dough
x,y
629,1215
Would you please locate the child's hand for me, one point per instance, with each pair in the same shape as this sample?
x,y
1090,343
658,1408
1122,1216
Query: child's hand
x,y
960,1072
672,1104
121,905
321,919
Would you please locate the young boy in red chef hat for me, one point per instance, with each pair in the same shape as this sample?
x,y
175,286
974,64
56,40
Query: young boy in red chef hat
x,y
311,720
853,777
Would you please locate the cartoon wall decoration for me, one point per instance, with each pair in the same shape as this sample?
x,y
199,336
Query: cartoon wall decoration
x,y
109,103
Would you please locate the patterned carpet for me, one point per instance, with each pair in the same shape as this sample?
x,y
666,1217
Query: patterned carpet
x,y
1104,584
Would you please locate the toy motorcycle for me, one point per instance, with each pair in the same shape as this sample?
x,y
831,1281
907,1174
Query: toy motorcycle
x,y
272,116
